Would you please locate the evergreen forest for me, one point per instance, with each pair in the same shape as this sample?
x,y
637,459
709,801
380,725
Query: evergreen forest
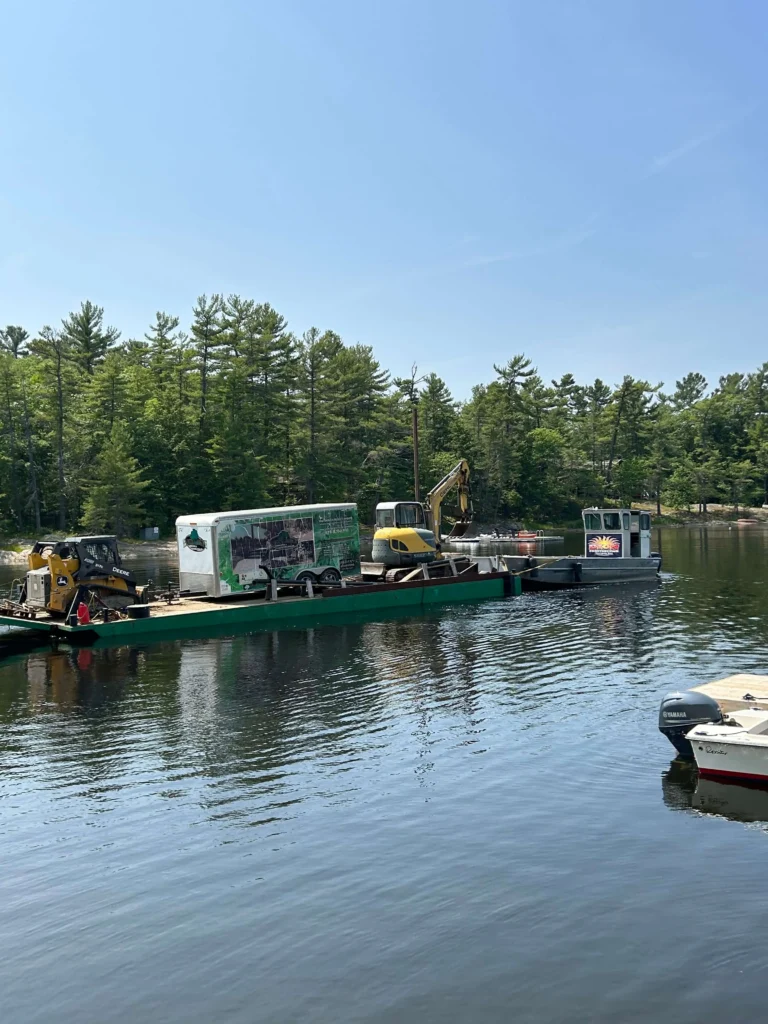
x,y
102,433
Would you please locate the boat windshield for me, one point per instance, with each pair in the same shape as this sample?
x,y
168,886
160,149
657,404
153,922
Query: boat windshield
x,y
592,521
612,520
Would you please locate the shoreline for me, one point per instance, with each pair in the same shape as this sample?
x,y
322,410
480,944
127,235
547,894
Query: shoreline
x,y
19,548
14,550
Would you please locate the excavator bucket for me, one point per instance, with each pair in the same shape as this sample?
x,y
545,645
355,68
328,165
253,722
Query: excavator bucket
x,y
459,529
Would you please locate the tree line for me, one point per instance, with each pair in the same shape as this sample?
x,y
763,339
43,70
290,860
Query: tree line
x,y
104,434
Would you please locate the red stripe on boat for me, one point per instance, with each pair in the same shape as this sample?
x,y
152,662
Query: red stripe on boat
x,y
722,773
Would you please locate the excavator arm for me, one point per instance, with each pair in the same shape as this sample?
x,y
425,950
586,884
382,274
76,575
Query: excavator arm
x,y
459,478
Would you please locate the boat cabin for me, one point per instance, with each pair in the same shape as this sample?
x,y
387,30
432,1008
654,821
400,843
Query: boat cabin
x,y
616,533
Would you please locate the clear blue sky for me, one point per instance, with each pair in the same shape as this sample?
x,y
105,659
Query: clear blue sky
x,y
449,182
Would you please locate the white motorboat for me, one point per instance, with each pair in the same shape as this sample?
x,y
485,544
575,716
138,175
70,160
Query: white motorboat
x,y
722,727
736,748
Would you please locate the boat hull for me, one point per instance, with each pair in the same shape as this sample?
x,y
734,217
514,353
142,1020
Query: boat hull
x,y
729,759
574,571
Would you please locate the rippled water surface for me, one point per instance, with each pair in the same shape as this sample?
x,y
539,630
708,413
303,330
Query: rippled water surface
x,y
464,816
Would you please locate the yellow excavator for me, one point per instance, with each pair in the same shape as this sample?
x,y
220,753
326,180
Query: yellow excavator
x,y
79,569
408,533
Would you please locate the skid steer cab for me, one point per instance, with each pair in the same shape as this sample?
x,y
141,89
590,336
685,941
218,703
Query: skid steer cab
x,y
89,568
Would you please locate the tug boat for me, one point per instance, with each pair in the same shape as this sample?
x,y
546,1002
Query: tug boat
x,y
617,549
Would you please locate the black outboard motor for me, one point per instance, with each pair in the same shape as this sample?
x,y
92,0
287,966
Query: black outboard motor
x,y
679,712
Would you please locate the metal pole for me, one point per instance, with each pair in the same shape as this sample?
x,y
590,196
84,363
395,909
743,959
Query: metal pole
x,y
415,428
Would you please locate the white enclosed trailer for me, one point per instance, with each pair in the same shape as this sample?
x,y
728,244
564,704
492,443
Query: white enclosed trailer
x,y
222,553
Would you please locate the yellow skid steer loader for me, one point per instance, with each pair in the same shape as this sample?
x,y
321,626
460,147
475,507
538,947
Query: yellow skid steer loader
x,y
64,573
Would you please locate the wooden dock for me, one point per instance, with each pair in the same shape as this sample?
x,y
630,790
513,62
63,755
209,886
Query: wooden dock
x,y
734,693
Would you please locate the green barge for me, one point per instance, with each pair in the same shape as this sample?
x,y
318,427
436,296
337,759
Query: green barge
x,y
194,615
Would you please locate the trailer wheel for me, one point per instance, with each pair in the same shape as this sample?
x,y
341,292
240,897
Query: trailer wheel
x,y
306,577
330,576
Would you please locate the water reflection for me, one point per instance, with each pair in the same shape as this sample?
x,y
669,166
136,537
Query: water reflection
x,y
404,819
683,790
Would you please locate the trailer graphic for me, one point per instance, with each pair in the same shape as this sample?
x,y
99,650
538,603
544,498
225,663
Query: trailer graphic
x,y
232,552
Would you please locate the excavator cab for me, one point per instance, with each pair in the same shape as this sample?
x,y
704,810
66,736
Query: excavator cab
x,y
88,566
402,536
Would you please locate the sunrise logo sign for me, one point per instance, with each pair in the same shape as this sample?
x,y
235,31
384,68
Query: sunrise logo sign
x,y
604,545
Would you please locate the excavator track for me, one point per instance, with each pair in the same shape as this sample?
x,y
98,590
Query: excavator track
x,y
395,575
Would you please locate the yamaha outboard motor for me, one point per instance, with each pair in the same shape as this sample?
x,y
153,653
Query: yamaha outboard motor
x,y
679,712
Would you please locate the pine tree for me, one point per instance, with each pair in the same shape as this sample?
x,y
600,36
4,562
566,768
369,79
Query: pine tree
x,y
54,350
206,336
114,494
14,340
315,392
163,336
87,338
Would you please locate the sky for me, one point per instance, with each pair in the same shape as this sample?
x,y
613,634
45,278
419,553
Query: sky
x,y
450,183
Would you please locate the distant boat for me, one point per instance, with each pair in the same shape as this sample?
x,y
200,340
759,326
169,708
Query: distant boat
x,y
747,522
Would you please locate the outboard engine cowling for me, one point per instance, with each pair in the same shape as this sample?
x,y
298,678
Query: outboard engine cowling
x,y
679,712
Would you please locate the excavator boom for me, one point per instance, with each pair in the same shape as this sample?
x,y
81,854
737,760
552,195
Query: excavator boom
x,y
459,478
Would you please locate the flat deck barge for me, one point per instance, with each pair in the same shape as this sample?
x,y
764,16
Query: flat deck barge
x,y
196,614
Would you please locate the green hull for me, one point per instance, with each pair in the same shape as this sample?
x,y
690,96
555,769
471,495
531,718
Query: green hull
x,y
285,611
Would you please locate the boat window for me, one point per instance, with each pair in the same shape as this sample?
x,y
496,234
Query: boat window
x,y
592,521
611,520
625,519
409,515
645,521
385,517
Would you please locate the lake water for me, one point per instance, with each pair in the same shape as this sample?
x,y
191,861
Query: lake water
x,y
464,816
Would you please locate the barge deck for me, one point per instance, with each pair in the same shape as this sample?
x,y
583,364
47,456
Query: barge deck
x,y
195,614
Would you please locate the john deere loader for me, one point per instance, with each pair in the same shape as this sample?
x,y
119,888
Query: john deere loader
x,y
87,568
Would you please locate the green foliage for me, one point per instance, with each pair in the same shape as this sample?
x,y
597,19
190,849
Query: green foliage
x,y
87,338
240,412
113,496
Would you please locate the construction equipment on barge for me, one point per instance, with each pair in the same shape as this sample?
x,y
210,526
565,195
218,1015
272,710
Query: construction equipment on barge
x,y
278,605
239,570
67,576
408,533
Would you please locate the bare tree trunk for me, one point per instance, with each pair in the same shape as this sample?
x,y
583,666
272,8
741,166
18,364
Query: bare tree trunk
x,y
615,434
34,495
12,479
60,441
203,386
312,431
